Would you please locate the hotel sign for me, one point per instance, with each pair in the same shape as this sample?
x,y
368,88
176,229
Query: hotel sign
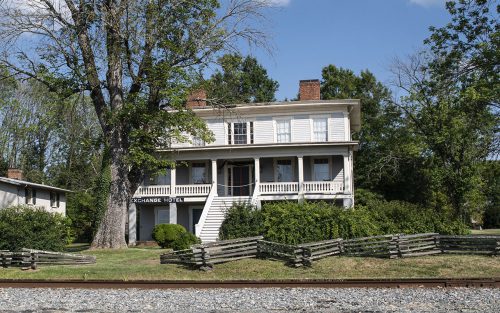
x,y
154,200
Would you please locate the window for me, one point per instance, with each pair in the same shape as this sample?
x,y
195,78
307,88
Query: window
x,y
198,173
320,129
162,216
284,171
240,133
30,196
283,131
54,199
321,170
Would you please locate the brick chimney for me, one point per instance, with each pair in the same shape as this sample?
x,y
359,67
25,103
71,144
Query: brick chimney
x,y
15,173
197,99
309,89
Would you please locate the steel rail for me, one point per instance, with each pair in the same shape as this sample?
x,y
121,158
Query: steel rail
x,y
211,284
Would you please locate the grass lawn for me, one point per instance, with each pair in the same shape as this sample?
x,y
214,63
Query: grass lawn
x,y
486,231
143,264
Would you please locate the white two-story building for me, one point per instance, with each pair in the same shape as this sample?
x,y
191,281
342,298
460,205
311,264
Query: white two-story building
x,y
262,152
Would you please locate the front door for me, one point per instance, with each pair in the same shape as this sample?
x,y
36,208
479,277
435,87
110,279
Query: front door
x,y
241,181
196,217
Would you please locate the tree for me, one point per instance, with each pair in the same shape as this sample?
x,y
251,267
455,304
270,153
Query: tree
x,y
131,58
452,103
241,80
387,161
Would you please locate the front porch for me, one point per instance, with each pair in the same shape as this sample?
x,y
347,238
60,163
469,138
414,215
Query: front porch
x,y
283,176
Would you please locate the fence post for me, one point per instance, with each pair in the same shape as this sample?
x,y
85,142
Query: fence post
x,y
437,243
306,257
341,246
34,259
497,249
395,244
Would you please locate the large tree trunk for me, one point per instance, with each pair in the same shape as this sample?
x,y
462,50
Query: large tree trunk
x,y
111,231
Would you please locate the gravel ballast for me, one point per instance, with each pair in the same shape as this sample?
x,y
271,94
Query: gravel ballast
x,y
250,300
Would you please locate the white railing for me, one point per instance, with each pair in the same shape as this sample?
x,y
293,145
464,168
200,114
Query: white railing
x,y
192,190
160,190
201,222
322,187
279,188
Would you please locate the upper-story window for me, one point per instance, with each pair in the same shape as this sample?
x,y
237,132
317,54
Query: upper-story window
x,y
320,129
283,131
30,196
54,199
239,133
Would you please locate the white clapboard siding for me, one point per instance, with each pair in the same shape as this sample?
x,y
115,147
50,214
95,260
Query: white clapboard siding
x,y
263,130
336,127
301,128
217,128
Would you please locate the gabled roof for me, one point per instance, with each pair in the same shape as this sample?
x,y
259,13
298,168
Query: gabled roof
x,y
23,183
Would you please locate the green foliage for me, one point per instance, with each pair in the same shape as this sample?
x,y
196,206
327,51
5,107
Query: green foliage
x,y
241,220
166,234
241,80
24,227
82,210
295,223
491,173
184,241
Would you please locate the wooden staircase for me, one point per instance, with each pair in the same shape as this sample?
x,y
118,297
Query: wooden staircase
x,y
215,216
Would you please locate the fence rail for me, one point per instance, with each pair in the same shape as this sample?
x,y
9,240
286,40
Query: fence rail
x,y
29,258
385,246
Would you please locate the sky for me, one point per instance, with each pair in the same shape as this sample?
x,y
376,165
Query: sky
x,y
308,35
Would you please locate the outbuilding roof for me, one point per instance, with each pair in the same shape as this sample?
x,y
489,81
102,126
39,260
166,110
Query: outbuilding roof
x,y
23,183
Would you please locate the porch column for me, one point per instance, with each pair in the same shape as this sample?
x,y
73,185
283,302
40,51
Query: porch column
x,y
300,168
257,175
132,224
347,174
172,181
214,175
172,212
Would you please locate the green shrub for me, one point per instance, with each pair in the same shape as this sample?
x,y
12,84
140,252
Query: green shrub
x,y
241,220
184,241
25,227
166,234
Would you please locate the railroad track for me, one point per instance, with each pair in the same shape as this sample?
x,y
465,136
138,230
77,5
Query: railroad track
x,y
200,284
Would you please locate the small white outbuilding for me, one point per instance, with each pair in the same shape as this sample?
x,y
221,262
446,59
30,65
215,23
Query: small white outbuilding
x,y
15,191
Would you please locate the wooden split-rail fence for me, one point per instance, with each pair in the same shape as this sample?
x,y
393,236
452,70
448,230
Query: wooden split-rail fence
x,y
386,246
30,258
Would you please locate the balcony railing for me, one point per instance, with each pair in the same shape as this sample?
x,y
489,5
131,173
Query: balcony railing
x,y
271,188
279,188
148,191
192,190
180,190
322,187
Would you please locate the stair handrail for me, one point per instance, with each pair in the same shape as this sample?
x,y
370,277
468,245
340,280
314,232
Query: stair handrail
x,y
256,193
198,227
